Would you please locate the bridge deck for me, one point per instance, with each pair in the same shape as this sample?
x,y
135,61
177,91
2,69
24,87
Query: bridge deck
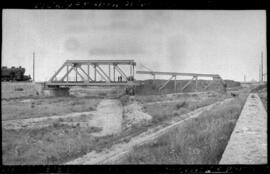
x,y
90,83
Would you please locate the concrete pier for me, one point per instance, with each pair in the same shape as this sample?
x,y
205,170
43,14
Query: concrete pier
x,y
248,142
56,92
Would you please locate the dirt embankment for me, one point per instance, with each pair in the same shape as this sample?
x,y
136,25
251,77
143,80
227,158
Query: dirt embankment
x,y
135,116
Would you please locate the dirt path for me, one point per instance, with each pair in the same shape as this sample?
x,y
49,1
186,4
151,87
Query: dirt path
x,y
109,117
33,123
187,93
117,151
164,102
248,142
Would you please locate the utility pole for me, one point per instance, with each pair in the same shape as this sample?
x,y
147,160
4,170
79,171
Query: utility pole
x,y
262,67
33,66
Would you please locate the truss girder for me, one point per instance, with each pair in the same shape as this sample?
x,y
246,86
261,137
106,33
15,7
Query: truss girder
x,y
97,67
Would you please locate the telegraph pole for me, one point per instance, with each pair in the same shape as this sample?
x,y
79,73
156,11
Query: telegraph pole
x,y
262,67
33,66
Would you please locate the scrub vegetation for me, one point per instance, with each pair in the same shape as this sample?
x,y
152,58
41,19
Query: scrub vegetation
x,y
201,140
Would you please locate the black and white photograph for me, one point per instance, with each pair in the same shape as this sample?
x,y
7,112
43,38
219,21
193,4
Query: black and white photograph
x,y
88,87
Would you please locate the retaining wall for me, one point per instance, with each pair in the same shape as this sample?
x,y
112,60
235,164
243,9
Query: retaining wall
x,y
248,142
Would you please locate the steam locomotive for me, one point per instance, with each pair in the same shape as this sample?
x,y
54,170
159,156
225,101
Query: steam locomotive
x,y
14,74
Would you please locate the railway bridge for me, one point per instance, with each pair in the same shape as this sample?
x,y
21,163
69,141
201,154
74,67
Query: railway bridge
x,y
107,73
92,73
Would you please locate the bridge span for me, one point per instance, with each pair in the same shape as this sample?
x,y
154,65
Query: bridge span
x,y
87,73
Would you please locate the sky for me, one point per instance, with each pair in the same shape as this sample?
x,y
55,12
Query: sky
x,y
224,42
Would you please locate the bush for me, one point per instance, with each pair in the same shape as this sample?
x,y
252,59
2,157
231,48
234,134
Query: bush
x,y
179,105
56,124
91,108
124,100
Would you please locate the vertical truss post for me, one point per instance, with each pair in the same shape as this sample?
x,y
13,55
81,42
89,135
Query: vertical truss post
x,y
133,70
88,72
121,72
130,68
196,84
67,72
95,68
102,73
88,76
76,73
175,83
110,71
114,72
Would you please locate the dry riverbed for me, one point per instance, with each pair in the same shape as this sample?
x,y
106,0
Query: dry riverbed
x,y
58,130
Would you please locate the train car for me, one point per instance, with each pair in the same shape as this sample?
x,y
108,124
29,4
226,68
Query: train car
x,y
14,74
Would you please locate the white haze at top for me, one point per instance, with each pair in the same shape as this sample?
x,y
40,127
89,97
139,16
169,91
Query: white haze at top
x,y
228,43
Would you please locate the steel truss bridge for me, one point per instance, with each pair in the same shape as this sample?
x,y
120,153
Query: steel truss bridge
x,y
87,71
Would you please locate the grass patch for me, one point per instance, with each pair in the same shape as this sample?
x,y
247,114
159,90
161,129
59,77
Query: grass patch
x,y
48,106
163,111
51,145
125,100
201,140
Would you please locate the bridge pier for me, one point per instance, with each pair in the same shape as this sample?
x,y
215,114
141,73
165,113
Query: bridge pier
x,y
56,92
